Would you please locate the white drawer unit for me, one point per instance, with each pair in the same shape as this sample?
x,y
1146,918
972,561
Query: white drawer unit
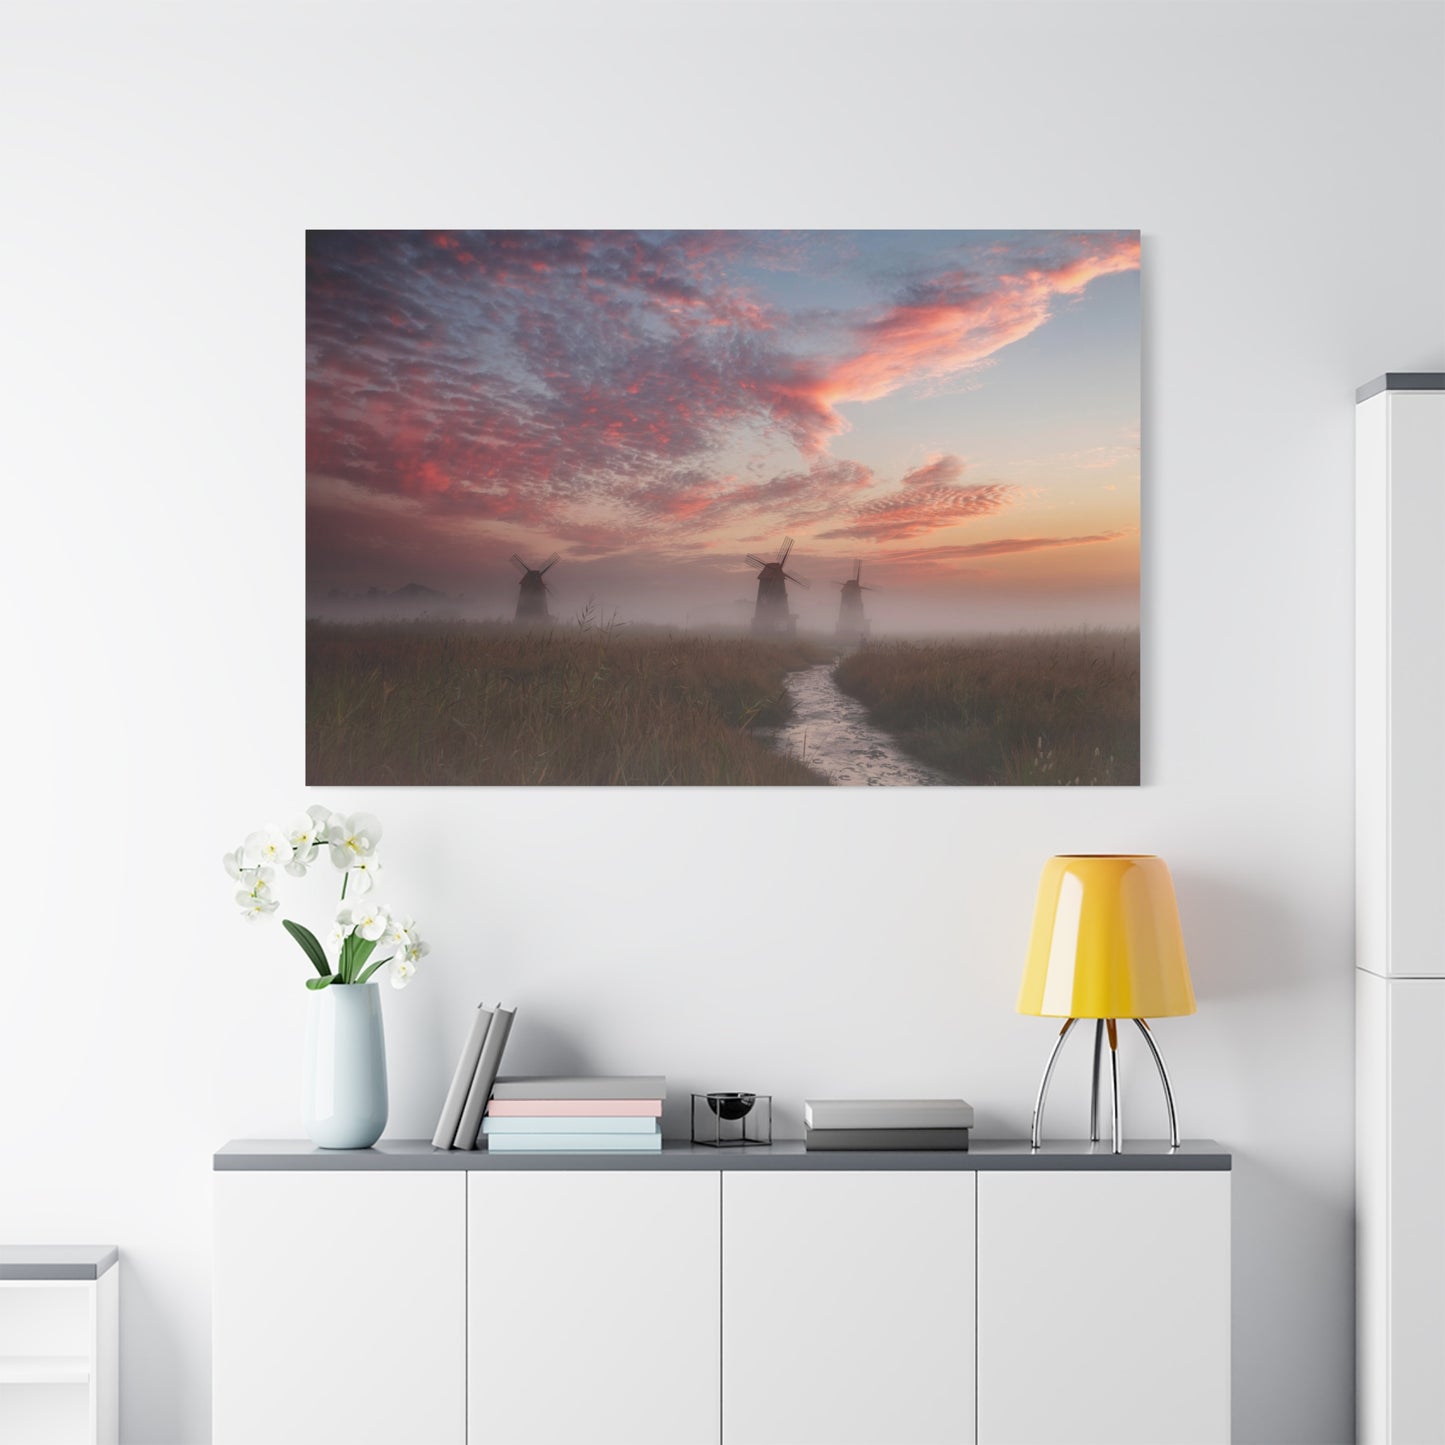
x,y
760,1296
59,1346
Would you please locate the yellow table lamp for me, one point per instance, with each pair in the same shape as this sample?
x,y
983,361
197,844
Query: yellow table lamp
x,y
1106,945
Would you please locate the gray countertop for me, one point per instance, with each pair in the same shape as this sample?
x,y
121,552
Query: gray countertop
x,y
290,1154
1402,381
56,1261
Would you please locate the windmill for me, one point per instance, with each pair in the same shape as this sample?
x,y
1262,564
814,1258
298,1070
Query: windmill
x,y
532,590
771,615
852,624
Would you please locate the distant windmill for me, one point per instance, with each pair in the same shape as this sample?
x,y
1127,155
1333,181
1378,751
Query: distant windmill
x,y
532,590
771,615
852,624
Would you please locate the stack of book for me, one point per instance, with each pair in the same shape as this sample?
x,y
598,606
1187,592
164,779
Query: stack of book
x,y
569,1114
886,1123
460,1125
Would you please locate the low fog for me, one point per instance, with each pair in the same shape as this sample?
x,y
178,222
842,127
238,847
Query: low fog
x,y
977,605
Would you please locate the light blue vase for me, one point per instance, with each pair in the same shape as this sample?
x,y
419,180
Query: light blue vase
x,y
343,1103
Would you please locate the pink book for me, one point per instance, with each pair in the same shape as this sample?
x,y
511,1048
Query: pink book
x,y
575,1108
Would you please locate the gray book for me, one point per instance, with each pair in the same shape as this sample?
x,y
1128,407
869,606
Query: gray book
x,y
488,1062
888,1114
891,1139
587,1086
446,1134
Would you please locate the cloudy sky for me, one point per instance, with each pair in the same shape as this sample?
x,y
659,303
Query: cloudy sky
x,y
960,410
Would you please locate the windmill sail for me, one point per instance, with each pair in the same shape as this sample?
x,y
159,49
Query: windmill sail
x,y
771,615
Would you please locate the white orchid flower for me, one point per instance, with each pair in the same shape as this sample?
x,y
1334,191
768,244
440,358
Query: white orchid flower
x,y
235,866
341,929
401,972
352,838
301,862
415,951
402,932
362,874
320,816
269,848
372,922
255,906
302,836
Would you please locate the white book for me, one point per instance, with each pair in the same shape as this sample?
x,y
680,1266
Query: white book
x,y
451,1116
887,1114
488,1062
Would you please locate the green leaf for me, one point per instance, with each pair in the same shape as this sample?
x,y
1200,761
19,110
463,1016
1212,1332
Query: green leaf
x,y
320,982
310,946
379,962
365,947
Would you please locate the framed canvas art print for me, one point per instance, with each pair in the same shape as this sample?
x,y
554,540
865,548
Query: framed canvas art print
x,y
724,507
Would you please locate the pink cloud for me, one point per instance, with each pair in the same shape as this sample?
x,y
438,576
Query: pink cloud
x,y
533,378
1001,546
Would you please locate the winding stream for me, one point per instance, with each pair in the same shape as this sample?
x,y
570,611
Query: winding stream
x,y
830,732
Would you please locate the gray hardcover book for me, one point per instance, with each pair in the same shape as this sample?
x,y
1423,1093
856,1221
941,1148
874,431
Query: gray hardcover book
x,y
589,1086
456,1100
489,1061
888,1114
886,1138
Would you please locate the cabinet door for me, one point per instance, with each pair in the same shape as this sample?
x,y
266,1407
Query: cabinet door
x,y
848,1308
1103,1308
339,1308
592,1308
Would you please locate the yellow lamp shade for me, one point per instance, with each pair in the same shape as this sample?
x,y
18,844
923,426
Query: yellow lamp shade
x,y
1106,942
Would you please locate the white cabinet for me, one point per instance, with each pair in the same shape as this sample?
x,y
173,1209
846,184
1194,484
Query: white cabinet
x,y
339,1308
592,1308
1400,908
1103,1308
59,1372
848,1308
705,1297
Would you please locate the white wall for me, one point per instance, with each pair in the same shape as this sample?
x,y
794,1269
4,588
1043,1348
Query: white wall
x,y
1284,164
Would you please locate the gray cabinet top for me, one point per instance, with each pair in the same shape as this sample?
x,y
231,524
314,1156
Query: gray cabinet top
x,y
56,1261
1401,381
1155,1154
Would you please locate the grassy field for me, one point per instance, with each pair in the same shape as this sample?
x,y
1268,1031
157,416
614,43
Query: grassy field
x,y
1020,708
459,703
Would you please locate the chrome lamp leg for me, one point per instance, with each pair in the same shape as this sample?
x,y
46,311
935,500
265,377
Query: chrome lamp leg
x,y
1094,1091
1118,1135
1163,1079
1037,1133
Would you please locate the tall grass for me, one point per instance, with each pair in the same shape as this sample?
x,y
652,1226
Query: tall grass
x,y
460,703
1020,708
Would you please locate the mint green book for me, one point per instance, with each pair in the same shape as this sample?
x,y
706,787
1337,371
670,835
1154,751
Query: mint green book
x,y
575,1143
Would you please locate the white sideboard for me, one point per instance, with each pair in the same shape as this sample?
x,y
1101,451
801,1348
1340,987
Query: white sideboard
x,y
1400,907
59,1344
721,1297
